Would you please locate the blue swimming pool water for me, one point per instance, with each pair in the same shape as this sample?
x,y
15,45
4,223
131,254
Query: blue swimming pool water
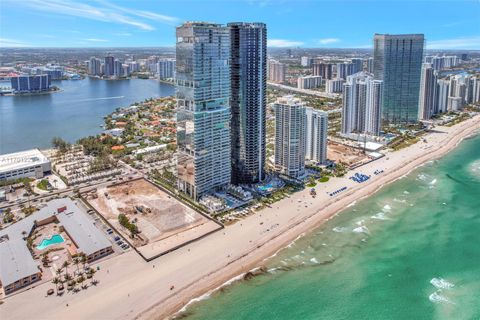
x,y
56,238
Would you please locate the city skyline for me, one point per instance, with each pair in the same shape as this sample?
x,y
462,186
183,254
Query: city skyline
x,y
67,23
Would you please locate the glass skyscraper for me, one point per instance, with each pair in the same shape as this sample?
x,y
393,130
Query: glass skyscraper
x,y
203,110
248,100
398,62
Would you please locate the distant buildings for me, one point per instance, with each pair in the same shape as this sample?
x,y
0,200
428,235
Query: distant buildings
x,y
442,62
31,84
166,69
345,69
369,65
398,62
334,85
248,51
357,65
443,92
309,82
290,136
428,99
276,71
24,164
109,66
203,107
94,67
362,99
324,70
117,69
306,61
316,136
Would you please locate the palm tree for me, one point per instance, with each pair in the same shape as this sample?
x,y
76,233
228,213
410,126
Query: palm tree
x,y
55,281
65,266
91,272
68,277
76,262
80,281
83,258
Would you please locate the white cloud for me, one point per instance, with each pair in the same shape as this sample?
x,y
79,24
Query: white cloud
x,y
456,43
4,42
105,12
328,40
96,40
282,43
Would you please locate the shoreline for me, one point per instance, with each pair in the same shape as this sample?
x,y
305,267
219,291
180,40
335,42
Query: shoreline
x,y
130,288
255,264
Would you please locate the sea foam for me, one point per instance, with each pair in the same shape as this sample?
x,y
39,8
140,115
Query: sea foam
x,y
362,229
440,283
380,216
437,298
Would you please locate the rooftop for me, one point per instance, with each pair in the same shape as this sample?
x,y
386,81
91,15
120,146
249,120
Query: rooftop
x,y
17,160
76,223
16,262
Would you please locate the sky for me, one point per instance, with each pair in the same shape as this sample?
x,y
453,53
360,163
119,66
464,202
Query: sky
x,y
447,24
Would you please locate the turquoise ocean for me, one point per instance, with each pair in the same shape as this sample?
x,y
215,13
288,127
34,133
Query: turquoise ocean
x,y
411,251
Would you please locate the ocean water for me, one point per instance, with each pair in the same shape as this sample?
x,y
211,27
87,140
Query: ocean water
x,y
411,251
75,112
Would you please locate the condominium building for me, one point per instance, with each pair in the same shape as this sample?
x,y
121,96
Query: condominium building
x,y
357,65
334,85
30,84
165,69
344,70
248,51
94,66
322,69
362,99
443,92
109,66
316,135
398,63
309,82
427,102
306,61
276,71
203,107
369,64
118,68
290,136
442,62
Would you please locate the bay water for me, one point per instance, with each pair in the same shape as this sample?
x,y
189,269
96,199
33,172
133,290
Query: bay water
x,y
77,111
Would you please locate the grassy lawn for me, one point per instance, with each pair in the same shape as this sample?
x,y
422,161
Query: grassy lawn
x,y
43,185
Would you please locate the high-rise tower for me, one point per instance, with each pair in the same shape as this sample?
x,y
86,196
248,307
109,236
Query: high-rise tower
x,y
398,63
203,110
248,51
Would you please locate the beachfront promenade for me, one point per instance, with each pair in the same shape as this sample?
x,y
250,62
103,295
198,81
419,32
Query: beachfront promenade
x,y
131,288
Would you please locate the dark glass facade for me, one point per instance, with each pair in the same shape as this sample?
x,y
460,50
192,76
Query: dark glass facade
x,y
398,62
248,100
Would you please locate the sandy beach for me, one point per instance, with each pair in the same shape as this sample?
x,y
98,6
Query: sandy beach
x,y
130,288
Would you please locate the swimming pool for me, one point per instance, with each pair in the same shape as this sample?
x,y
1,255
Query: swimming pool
x,y
56,238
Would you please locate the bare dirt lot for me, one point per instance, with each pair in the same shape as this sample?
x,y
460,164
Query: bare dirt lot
x,y
346,154
163,221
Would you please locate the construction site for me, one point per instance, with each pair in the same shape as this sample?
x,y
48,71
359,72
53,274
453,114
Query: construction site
x,y
351,156
153,221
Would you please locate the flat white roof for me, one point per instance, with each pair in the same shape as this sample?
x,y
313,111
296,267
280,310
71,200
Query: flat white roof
x,y
16,261
22,159
76,223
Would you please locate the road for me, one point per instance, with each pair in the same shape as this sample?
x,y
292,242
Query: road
x,y
304,91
